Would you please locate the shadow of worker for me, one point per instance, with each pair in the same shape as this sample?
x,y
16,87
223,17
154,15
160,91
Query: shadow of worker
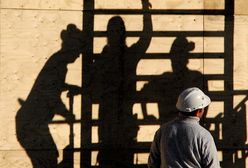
x,y
44,101
165,88
114,88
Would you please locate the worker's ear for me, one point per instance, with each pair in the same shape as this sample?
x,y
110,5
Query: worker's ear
x,y
200,112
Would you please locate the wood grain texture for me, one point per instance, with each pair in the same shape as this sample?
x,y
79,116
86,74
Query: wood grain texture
x,y
40,4
30,33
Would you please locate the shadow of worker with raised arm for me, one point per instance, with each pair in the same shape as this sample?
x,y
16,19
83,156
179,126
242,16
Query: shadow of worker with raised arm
x,y
114,88
44,101
165,88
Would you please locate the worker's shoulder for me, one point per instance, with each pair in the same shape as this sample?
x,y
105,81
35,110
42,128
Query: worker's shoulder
x,y
167,126
202,132
192,127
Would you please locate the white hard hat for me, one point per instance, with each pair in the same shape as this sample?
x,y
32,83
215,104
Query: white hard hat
x,y
192,99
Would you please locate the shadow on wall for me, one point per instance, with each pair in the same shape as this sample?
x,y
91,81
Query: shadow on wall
x,y
44,101
114,89
165,88
112,85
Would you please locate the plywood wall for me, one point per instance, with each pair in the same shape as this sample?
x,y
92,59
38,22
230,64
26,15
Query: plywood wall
x,y
30,33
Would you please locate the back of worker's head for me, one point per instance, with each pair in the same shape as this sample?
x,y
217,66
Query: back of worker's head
x,y
116,31
192,99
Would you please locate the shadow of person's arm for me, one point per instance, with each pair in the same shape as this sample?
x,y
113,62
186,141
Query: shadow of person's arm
x,y
73,90
61,110
144,41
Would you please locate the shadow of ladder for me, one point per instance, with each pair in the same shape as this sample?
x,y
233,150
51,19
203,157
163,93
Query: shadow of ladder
x,y
226,96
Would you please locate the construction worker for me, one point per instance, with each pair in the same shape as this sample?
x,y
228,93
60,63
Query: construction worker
x,y
183,142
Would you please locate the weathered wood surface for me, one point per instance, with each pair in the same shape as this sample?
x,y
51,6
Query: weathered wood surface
x,y
30,33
